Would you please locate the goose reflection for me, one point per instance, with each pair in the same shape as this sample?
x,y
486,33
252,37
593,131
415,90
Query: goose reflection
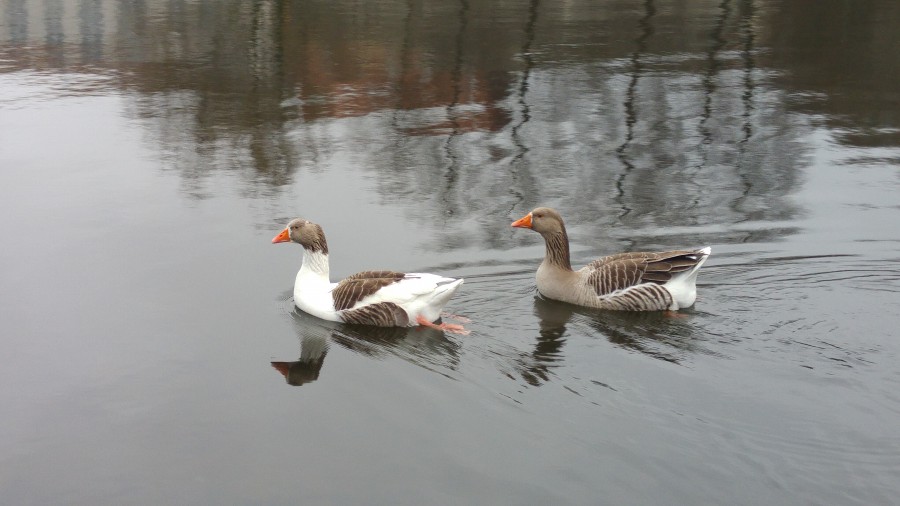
x,y
313,348
305,369
537,367
426,347
651,333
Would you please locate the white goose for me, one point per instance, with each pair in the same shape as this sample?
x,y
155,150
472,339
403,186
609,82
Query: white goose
x,y
380,298
626,281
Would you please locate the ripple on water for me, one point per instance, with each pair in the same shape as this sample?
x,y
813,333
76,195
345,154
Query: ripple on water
x,y
27,89
803,455
753,318
817,311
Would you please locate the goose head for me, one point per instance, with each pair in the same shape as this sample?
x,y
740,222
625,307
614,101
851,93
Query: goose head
x,y
305,233
543,220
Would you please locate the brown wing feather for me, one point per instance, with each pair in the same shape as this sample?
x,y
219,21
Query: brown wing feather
x,y
356,287
607,277
622,270
376,275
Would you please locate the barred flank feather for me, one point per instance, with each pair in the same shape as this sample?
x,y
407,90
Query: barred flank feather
x,y
646,297
383,314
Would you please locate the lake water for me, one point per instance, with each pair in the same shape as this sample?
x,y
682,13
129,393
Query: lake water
x,y
149,151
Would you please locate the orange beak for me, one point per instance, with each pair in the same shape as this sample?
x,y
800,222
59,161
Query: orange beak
x,y
284,236
523,222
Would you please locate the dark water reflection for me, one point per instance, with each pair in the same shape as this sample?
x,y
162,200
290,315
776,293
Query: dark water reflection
x,y
659,335
425,347
149,149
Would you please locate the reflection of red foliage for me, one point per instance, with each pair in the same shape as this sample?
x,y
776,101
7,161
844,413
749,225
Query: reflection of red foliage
x,y
491,119
328,87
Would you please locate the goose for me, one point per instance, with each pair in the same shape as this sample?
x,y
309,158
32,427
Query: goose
x,y
626,281
379,298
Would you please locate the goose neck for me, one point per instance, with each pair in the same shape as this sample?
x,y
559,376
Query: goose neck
x,y
557,253
315,263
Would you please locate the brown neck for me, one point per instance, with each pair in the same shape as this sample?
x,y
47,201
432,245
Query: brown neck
x,y
314,242
558,249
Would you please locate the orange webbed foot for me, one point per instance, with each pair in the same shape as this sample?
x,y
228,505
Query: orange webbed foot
x,y
668,313
447,327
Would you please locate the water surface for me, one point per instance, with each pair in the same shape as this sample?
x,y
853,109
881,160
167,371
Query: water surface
x,y
150,150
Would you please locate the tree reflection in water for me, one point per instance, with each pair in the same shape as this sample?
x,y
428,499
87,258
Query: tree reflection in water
x,y
478,109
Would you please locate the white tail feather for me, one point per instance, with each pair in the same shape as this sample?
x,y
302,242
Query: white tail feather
x,y
683,286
